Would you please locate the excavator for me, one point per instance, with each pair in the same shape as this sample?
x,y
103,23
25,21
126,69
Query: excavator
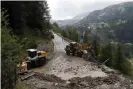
x,y
34,59
80,49
76,49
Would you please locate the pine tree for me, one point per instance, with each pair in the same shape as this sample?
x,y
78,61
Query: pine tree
x,y
10,55
95,47
109,54
77,36
119,57
106,53
32,15
86,37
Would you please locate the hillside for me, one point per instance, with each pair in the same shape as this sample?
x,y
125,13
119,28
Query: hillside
x,y
68,22
111,22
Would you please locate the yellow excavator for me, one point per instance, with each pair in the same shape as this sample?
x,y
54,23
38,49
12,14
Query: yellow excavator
x,y
76,49
34,59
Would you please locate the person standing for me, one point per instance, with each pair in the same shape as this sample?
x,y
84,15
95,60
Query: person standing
x,y
81,40
62,39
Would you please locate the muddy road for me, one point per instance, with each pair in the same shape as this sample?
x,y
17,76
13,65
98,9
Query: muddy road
x,y
68,67
69,72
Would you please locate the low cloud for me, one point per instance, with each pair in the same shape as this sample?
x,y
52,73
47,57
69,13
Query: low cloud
x,y
67,9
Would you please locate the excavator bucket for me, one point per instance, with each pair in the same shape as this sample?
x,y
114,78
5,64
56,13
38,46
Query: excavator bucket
x,y
22,67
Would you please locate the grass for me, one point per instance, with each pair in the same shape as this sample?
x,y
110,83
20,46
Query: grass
x,y
131,60
58,34
22,86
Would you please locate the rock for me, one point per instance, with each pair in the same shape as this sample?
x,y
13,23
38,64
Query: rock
x,y
56,84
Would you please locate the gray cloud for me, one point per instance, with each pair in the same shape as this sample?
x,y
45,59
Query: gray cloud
x,y
66,9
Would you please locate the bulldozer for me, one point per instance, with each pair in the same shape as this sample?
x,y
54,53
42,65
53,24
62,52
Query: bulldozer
x,y
76,49
34,59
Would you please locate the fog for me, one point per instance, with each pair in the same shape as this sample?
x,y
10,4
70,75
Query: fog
x,y
67,9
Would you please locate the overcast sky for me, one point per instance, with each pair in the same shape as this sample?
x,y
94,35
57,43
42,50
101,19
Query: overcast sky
x,y
67,9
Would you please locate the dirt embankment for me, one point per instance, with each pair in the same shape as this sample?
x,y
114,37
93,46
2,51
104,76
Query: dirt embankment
x,y
47,46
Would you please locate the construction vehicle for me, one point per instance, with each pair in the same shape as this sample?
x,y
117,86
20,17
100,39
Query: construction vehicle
x,y
35,59
22,67
76,49
71,48
52,36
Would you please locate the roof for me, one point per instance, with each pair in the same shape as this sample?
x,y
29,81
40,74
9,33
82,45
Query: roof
x,y
32,50
42,51
73,42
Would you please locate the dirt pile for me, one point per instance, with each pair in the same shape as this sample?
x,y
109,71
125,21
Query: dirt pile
x,y
50,78
47,46
92,82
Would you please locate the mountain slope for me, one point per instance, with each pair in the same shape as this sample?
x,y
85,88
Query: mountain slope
x,y
114,12
62,23
109,22
72,21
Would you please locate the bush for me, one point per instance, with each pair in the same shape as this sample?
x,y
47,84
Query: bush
x,y
10,55
127,68
28,43
116,58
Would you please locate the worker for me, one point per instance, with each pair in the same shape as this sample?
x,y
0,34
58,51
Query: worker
x,y
62,38
81,40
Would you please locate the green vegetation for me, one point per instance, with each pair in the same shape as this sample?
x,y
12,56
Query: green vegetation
x,y
68,32
117,60
10,53
23,25
71,34
30,18
22,86
57,29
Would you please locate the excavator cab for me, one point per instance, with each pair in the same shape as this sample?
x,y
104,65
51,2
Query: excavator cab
x,y
74,45
76,49
71,48
32,53
36,58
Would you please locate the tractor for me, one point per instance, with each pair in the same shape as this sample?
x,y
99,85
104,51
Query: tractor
x,y
76,49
